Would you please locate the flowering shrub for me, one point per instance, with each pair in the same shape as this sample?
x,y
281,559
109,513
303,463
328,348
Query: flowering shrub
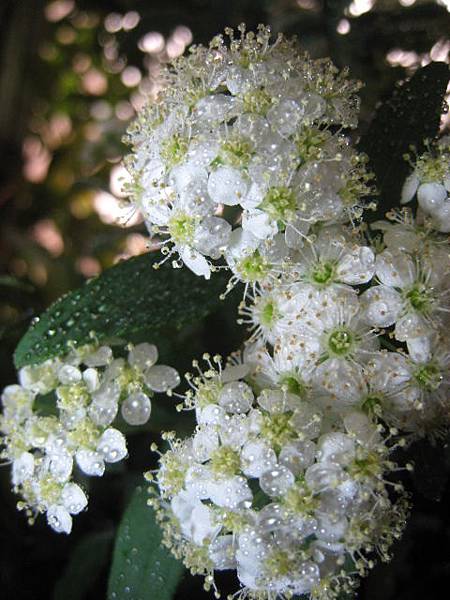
x,y
289,479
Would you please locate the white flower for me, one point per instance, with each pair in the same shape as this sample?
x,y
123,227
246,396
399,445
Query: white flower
x,y
431,181
412,294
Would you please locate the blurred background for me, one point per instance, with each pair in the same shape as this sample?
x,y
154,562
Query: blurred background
x,y
72,75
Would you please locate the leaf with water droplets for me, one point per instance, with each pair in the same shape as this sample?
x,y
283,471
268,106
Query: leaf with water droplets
x,y
85,566
122,303
410,116
142,568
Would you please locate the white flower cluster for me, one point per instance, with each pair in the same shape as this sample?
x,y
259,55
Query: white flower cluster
x,y
430,180
244,152
290,497
61,415
334,340
285,479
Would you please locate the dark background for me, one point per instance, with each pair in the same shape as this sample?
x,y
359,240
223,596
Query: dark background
x,y
72,73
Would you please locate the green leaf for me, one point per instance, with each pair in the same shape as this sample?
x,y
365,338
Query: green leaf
x,y
410,116
127,301
88,558
142,568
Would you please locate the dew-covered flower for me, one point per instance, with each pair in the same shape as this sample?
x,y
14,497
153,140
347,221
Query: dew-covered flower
x,y
245,143
412,292
62,414
269,487
430,180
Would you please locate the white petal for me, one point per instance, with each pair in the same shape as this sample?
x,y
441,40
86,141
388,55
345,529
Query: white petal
x,y
431,196
381,305
230,493
227,186
90,462
204,443
395,269
411,325
419,349
222,552
195,261
143,356
236,397
59,519
161,378
336,448
259,224
73,498
276,481
22,468
256,458
357,266
112,446
409,188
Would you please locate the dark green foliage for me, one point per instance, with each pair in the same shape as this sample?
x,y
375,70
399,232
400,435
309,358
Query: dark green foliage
x,y
410,116
123,302
142,569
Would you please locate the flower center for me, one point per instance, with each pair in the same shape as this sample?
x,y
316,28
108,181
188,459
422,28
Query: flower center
x,y
181,228
173,149
278,564
294,385
237,152
279,203
322,273
299,499
253,267
372,404
366,467
420,298
257,101
172,473
429,377
278,429
225,462
341,341
268,313
309,142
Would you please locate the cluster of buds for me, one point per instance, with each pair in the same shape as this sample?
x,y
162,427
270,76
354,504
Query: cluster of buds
x,y
60,416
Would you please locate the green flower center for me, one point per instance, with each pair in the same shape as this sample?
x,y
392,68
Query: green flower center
x,y
257,101
279,564
369,466
173,149
268,313
225,462
237,152
420,298
322,273
372,404
279,203
309,142
294,385
300,500
429,377
278,429
181,228
341,341
253,267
